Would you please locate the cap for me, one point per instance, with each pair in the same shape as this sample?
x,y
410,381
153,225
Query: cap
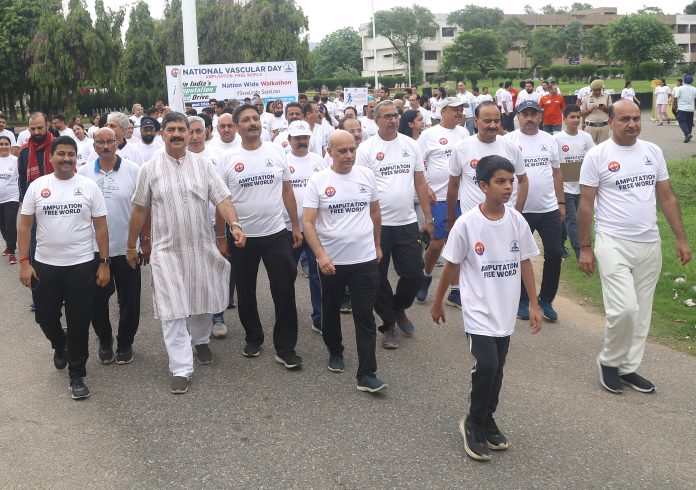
x,y
528,104
451,102
299,128
597,84
688,79
147,121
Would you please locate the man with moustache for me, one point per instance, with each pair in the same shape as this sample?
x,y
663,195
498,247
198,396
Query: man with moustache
x,y
116,178
259,179
368,120
149,141
293,112
119,123
136,119
226,133
68,210
189,276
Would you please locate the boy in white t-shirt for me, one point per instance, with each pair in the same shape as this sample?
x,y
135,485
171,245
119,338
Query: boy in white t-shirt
x,y
490,245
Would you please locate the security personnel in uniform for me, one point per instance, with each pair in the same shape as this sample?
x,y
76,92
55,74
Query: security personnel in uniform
x,y
595,111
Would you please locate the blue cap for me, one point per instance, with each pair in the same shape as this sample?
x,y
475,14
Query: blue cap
x,y
149,121
688,79
529,104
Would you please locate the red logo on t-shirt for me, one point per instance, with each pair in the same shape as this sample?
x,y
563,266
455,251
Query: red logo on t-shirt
x,y
239,167
473,163
443,141
46,193
380,156
614,166
292,169
479,248
284,144
330,191
565,148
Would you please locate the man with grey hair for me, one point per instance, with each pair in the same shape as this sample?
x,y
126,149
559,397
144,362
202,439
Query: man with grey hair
x,y
119,123
137,114
189,276
398,166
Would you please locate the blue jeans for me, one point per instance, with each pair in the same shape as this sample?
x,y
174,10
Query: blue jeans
x,y
553,128
686,121
570,230
470,125
314,284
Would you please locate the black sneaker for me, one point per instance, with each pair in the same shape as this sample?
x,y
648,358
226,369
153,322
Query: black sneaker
x,y
404,323
346,306
370,383
475,443
78,389
124,356
316,327
179,385
106,354
609,378
638,383
203,354
289,360
336,364
496,439
231,304
60,357
252,350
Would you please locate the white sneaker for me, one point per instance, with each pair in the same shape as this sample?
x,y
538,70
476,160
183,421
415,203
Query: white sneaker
x,y
219,330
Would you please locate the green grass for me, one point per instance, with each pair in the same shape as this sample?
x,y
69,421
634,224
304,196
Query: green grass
x,y
673,323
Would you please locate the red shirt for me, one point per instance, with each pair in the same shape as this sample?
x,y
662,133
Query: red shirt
x,y
514,93
553,109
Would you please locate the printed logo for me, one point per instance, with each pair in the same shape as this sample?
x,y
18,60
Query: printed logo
x,y
330,191
362,190
443,141
292,169
565,148
479,248
46,193
77,191
175,72
287,68
514,246
543,148
239,167
647,161
614,166
269,162
473,164
380,156
405,153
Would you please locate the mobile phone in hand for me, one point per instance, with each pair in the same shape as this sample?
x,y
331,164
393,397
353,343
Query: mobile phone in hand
x,y
34,283
425,239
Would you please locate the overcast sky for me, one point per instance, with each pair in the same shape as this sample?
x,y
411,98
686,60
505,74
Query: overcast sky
x,y
327,16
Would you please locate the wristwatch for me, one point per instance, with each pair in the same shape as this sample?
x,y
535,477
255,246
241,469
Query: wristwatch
x,y
234,223
429,221
106,261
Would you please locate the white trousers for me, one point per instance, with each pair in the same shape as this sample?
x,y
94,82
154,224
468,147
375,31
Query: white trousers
x,y
179,335
629,272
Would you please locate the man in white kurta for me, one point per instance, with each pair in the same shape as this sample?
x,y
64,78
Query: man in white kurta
x,y
190,278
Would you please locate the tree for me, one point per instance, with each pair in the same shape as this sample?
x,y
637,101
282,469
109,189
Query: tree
x,y
595,44
217,24
544,46
528,10
477,48
169,35
475,17
632,36
651,10
570,40
141,66
43,53
107,26
667,54
514,36
690,9
340,49
403,26
580,6
549,9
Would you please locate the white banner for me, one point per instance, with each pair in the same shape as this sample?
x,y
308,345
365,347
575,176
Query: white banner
x,y
356,97
272,80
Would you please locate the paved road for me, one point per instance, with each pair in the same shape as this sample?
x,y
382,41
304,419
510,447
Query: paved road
x,y
249,423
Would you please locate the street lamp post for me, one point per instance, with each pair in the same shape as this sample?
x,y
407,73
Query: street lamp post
x,y
374,44
408,60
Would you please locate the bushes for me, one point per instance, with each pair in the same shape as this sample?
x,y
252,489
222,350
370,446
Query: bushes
x,y
332,83
474,76
102,101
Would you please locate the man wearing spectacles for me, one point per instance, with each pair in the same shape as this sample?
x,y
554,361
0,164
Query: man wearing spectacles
x,y
398,166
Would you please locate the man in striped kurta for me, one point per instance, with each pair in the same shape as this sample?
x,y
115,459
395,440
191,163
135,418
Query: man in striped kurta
x,y
190,278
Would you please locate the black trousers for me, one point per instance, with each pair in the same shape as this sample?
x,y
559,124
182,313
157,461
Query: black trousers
x,y
686,121
362,279
487,375
8,224
126,283
549,227
403,245
74,285
276,252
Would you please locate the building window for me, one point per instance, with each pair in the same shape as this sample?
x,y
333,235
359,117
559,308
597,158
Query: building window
x,y
448,31
682,28
684,47
692,28
693,47
430,55
388,55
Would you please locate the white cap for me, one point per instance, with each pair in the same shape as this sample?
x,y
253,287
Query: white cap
x,y
451,102
299,128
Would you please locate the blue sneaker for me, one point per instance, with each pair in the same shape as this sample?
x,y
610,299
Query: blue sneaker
x,y
370,383
454,299
547,310
523,310
336,364
425,285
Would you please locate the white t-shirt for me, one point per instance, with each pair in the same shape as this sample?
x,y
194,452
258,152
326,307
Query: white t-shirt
x,y
628,93
467,97
68,132
315,142
63,211
394,163
502,95
301,169
23,137
255,179
583,92
435,108
344,225
540,155
84,149
625,178
131,152
91,130
148,151
9,134
572,149
685,98
662,95
278,123
464,161
369,127
436,145
9,190
220,146
490,254
427,116
117,187
136,126
523,96
267,120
